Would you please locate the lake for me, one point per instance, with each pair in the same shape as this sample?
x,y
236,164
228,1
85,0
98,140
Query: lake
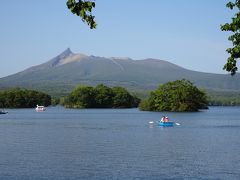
x,y
119,144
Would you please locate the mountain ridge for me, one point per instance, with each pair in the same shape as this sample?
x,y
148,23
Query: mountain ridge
x,y
68,69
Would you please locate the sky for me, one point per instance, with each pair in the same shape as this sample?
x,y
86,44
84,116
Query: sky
x,y
183,32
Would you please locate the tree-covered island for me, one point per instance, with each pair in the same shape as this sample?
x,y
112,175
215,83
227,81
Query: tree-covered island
x,y
23,98
179,96
100,96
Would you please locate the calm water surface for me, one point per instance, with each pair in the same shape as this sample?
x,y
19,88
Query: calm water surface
x,y
119,144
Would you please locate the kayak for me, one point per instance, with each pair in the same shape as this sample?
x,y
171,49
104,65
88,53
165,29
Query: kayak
x,y
166,124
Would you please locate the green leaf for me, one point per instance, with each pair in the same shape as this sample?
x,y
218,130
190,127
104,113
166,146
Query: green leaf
x,y
83,9
234,27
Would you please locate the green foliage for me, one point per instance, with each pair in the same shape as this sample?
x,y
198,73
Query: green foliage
x,y
122,98
234,27
83,9
81,97
100,96
22,98
178,95
146,105
103,96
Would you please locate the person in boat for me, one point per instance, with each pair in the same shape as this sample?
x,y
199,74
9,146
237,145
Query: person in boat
x,y
166,119
163,119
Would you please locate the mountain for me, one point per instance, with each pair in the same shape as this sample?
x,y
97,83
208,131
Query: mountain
x,y
60,74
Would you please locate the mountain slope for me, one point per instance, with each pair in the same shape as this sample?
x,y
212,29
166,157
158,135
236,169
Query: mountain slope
x,y
68,69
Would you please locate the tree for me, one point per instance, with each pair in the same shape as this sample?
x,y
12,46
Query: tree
x,y
234,27
103,96
180,95
83,9
122,98
81,97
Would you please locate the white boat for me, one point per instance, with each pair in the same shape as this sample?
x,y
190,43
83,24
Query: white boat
x,y
40,108
3,112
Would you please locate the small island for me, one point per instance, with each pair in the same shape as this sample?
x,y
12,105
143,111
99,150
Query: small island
x,y
177,96
23,98
100,96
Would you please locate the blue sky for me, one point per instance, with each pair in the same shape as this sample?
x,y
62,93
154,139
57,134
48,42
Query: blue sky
x,y
185,32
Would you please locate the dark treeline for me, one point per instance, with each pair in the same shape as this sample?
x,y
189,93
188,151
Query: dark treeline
x,y
224,100
23,98
100,96
165,98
